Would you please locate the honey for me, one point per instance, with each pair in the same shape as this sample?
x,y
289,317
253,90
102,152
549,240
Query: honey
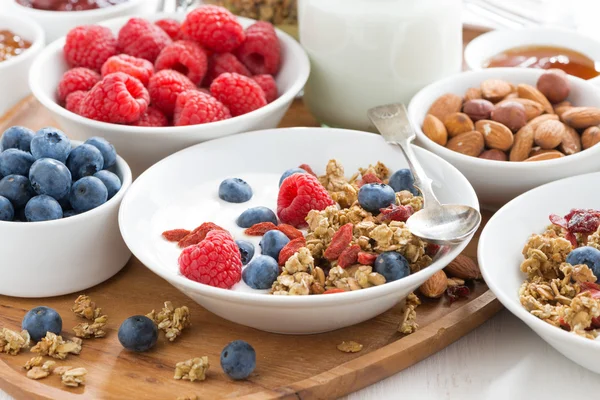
x,y
11,45
546,57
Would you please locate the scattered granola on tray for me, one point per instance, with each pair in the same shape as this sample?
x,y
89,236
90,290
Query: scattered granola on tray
x,y
193,369
12,342
171,320
562,265
350,347
86,308
74,377
55,346
37,369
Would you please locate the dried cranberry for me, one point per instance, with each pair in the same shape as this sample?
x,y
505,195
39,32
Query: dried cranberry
x,y
456,292
396,213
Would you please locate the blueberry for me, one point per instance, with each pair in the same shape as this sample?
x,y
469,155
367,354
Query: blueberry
x,y
50,177
40,320
110,180
43,208
261,272
246,250
289,172
17,189
255,215
109,154
15,162
235,190
69,213
87,193
587,255
238,359
84,160
138,333
50,143
65,203
272,243
375,196
392,266
403,180
17,137
7,211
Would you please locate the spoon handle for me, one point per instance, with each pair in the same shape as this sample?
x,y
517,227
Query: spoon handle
x,y
394,125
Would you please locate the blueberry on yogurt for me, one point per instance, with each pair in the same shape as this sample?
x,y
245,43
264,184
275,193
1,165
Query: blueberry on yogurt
x,y
235,190
255,215
246,250
261,272
272,242
290,172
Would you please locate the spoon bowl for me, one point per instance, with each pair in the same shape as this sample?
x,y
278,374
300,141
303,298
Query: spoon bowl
x,y
444,225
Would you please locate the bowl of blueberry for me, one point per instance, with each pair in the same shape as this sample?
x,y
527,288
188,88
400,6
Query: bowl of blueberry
x,y
58,212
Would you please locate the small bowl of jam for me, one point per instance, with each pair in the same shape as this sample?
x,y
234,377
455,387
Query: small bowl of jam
x,y
544,48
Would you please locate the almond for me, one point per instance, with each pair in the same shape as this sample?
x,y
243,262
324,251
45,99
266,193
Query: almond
x,y
435,130
549,134
529,92
472,94
468,143
463,267
495,89
511,95
532,108
571,142
523,142
445,105
550,155
581,117
590,137
561,107
457,123
435,286
494,154
496,135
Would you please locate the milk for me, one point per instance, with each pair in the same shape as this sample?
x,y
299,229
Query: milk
x,y
366,53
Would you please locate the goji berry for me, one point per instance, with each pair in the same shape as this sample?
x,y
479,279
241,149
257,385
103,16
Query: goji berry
x,y
365,258
456,292
289,231
308,169
331,291
260,229
369,178
198,234
595,323
591,287
349,256
290,249
396,213
341,239
175,235
432,249
564,325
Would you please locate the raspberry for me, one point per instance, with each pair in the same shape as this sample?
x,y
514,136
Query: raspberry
x,y
117,98
214,28
165,86
141,39
171,27
220,63
185,57
89,46
73,101
299,194
152,117
261,51
194,107
239,93
136,67
268,85
215,261
76,79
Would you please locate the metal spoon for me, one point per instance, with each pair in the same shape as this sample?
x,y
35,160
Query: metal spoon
x,y
435,223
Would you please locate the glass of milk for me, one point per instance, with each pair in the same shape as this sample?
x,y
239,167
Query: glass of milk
x,y
366,53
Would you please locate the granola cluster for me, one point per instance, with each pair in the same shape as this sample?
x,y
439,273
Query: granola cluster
x,y
55,346
171,320
192,370
555,291
278,12
86,308
12,342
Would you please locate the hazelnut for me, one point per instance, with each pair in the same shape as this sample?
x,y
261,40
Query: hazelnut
x,y
478,109
555,85
494,154
511,114
590,137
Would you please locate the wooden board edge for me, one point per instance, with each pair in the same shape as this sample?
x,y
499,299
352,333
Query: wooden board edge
x,y
388,360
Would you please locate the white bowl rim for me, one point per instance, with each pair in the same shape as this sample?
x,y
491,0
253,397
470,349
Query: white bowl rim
x,y
84,13
121,165
513,305
476,161
283,98
36,45
284,301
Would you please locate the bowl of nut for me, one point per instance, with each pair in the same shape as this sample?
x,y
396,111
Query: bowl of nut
x,y
177,84
509,130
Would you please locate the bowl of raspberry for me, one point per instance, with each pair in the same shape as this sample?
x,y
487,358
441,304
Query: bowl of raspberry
x,y
285,236
157,84
59,201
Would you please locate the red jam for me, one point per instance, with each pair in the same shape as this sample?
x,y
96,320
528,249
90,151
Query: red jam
x,y
11,45
68,5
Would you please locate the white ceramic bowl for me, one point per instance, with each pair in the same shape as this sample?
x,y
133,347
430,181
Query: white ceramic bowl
x,y
497,182
181,191
501,243
14,71
53,258
143,146
58,23
484,47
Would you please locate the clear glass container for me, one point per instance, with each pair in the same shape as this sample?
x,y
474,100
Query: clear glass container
x,y
366,53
